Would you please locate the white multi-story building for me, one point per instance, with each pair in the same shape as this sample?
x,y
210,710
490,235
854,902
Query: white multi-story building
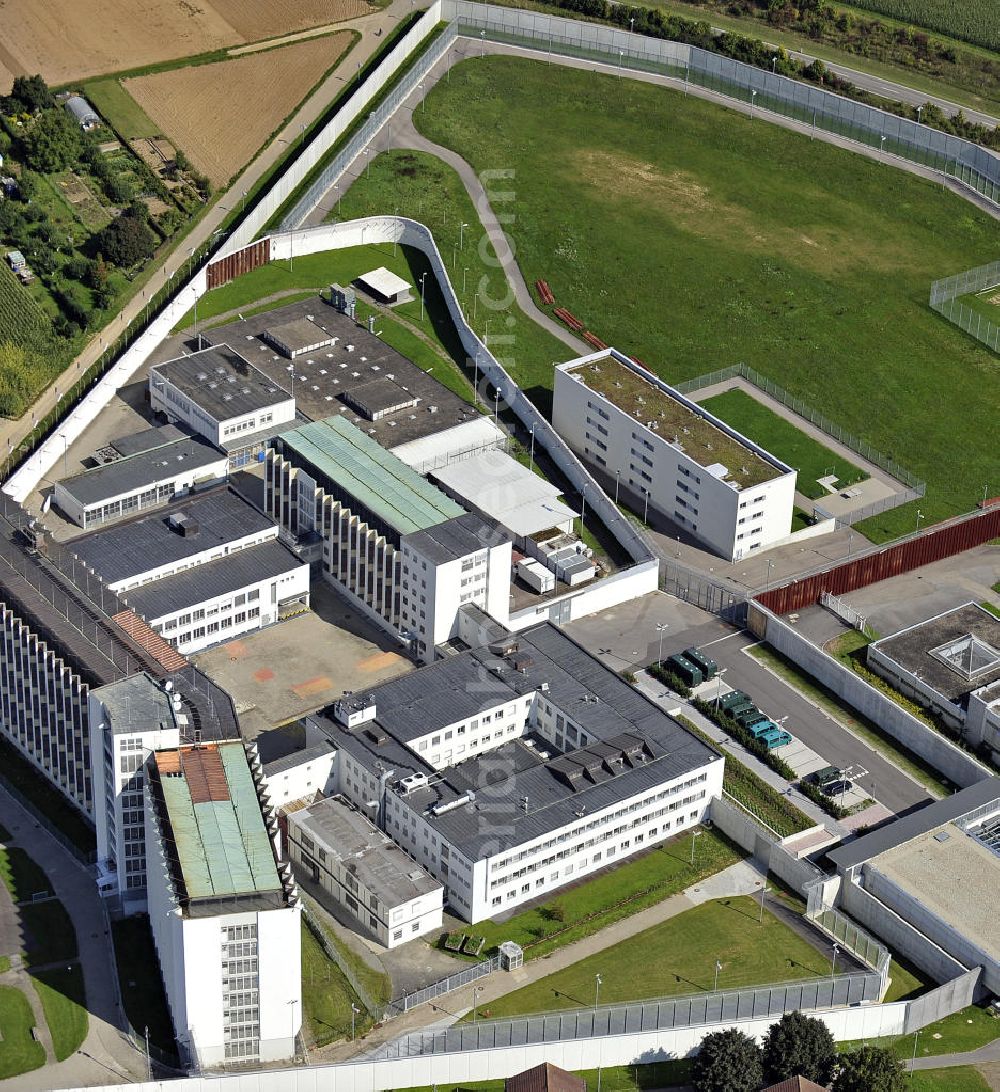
x,y
222,396
141,481
670,456
510,771
225,915
361,872
404,551
203,571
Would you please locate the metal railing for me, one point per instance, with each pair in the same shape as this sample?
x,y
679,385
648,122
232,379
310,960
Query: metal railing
x,y
850,937
655,1014
442,986
946,300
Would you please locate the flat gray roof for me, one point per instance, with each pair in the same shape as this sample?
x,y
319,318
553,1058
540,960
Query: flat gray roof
x,y
135,546
324,378
136,704
157,464
146,440
635,745
456,538
916,823
912,649
214,579
221,382
385,869
299,334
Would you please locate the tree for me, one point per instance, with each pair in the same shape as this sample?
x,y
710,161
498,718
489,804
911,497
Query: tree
x,y
870,1069
728,1061
29,93
798,1044
126,241
53,142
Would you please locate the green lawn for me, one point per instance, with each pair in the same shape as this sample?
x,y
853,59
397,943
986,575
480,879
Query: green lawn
x,y
378,984
63,998
969,1029
960,1078
117,106
809,457
422,186
49,935
677,957
906,981
21,876
140,982
18,1051
667,226
613,894
327,996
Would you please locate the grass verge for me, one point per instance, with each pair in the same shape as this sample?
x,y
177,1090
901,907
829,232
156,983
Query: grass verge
x,y
861,726
637,883
114,103
49,936
327,996
677,957
21,875
140,982
969,1029
64,1000
19,1053
959,1078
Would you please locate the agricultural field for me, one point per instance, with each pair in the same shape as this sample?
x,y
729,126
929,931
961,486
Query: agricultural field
x,y
976,21
762,425
68,40
695,251
204,108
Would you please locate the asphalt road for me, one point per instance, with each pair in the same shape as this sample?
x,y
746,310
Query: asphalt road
x,y
887,784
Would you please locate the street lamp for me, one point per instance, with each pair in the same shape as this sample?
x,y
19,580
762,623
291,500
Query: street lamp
x,y
753,99
913,1060
645,506
354,1012
465,273
715,981
597,989
423,277
496,404
694,835
774,64
461,236
920,516
583,506
718,696
661,628
833,964
881,146
920,110
476,991
621,57
618,478
763,891
531,456
767,579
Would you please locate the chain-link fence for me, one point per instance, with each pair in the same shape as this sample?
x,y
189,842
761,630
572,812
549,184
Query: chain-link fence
x,y
658,1014
442,986
946,300
853,939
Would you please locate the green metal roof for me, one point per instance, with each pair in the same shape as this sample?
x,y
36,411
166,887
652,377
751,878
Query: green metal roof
x,y
377,479
222,845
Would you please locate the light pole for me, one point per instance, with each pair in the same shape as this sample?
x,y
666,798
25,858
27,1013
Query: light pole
x,y
476,991
631,25
645,506
913,1059
774,65
920,110
461,236
715,981
621,57
531,455
833,964
618,478
475,380
482,38
753,99
354,1012
661,628
881,146
597,989
465,273
920,516
583,506
718,695
243,203
423,277
763,891
496,404
694,837
65,440
767,579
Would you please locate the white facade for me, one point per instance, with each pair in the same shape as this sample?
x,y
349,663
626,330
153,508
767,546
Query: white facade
x,y
434,591
706,496
220,618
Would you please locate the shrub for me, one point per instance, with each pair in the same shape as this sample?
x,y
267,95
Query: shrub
x,y
798,1044
728,1061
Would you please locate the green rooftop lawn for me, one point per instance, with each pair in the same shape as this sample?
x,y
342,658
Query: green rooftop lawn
x,y
781,438
677,957
18,1051
586,908
694,237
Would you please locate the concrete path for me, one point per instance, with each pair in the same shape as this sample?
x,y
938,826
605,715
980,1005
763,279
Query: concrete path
x,y
988,1053
373,29
106,1055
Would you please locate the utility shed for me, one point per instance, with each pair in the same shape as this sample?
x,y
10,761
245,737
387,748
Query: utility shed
x,y
385,286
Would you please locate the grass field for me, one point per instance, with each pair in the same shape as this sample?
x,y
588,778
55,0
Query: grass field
x,y
976,21
49,935
677,957
815,274
790,444
327,996
139,980
969,1029
421,186
114,103
21,875
18,1051
63,998
584,909
959,1078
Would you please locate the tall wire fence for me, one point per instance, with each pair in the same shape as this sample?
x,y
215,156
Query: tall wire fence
x,y
946,299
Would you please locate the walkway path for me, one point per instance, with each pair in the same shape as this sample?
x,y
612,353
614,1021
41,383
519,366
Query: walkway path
x,y
373,28
988,1053
106,1054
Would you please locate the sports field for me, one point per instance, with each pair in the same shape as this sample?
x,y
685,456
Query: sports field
x,y
790,444
693,238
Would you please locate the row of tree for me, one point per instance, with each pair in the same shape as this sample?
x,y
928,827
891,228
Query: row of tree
x,y
796,1045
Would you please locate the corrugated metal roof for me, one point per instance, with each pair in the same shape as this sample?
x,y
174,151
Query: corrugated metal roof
x,y
221,842
384,484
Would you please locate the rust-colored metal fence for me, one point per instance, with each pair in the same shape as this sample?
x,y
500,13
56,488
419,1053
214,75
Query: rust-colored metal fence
x,y
234,265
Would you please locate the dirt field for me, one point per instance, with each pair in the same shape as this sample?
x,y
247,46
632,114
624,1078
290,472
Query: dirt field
x,y
220,114
73,39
